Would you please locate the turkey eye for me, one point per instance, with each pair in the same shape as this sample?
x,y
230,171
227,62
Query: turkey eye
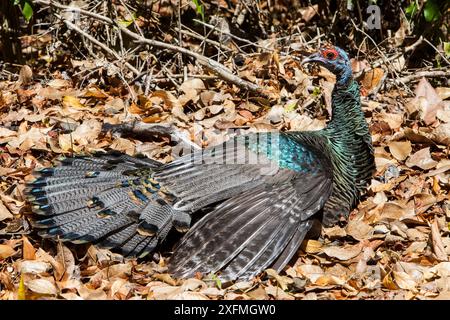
x,y
330,55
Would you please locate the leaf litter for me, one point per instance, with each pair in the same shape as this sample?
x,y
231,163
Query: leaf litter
x,y
396,243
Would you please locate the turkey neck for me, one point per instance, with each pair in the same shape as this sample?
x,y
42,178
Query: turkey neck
x,y
350,148
347,114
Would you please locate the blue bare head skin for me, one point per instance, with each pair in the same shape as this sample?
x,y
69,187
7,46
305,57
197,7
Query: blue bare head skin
x,y
336,61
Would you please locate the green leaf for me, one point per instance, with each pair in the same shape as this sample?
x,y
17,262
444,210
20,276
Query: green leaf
x,y
25,7
27,11
316,92
447,49
290,107
199,9
217,280
431,11
127,22
412,9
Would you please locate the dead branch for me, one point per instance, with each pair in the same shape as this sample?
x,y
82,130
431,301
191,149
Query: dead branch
x,y
73,27
232,35
222,71
200,37
383,61
426,74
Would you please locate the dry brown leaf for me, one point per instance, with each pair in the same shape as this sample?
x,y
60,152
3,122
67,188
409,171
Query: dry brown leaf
x,y
58,83
120,270
42,286
334,232
178,112
87,132
4,212
44,256
443,92
392,211
312,246
164,292
400,149
213,292
4,133
427,101
165,277
91,294
246,114
358,229
29,253
189,295
443,115
278,293
258,294
438,246
402,32
309,12
95,92
343,253
327,280
6,251
282,281
311,272
65,142
404,280
65,258
73,102
35,137
242,285
193,284
421,159
71,296
372,79
34,266
377,186
441,134
192,84
389,283
124,145
25,75
120,288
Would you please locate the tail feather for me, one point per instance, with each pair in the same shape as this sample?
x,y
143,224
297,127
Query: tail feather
x,y
292,246
137,244
102,227
119,237
108,198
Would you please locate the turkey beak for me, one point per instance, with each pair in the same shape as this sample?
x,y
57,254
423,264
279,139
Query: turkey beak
x,y
312,58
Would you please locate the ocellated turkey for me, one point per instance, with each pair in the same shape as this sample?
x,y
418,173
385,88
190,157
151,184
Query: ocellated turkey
x,y
261,192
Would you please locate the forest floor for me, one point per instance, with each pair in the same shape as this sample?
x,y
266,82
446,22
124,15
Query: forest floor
x,y
396,244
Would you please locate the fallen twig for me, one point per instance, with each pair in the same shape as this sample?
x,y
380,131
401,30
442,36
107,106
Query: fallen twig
x,y
222,71
232,35
426,74
200,37
71,26
383,61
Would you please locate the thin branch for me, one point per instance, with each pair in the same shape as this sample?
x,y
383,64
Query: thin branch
x,y
71,26
437,51
383,61
232,35
200,37
222,71
426,74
